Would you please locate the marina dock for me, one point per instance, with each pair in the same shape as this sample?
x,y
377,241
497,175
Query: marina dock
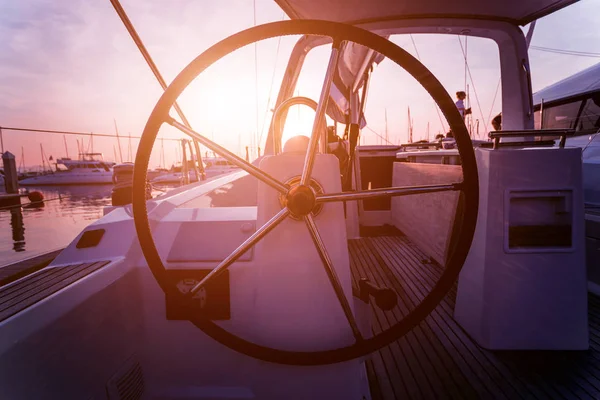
x,y
11,199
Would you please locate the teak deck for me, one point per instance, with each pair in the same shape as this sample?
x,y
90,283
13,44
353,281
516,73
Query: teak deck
x,y
438,360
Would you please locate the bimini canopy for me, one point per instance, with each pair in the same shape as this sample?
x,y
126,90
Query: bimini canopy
x,y
520,12
351,71
581,83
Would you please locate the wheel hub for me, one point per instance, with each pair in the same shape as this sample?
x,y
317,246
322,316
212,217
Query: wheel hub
x,y
301,200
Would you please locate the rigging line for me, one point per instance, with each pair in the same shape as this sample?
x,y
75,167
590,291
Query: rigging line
x,y
437,109
566,52
415,46
256,77
127,22
379,135
493,102
69,133
140,45
472,82
262,129
465,53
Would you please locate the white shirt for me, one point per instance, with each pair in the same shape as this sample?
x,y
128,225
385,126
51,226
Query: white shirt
x,y
461,107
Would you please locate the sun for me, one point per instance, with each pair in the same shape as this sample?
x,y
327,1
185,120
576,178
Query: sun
x,y
300,120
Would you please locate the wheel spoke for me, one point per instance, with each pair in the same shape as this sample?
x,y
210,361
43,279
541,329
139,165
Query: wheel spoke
x,y
231,157
387,192
320,113
332,275
244,247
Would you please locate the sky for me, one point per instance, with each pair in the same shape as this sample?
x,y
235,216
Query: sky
x,y
72,66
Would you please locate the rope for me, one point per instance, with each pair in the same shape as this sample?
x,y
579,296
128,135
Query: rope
x,y
256,75
489,120
380,136
437,109
30,203
60,197
69,133
472,82
270,89
566,52
140,45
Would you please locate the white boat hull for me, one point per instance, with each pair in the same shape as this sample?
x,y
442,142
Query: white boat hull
x,y
68,178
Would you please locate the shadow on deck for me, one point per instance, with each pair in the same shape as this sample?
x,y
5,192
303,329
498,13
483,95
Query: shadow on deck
x,y
438,360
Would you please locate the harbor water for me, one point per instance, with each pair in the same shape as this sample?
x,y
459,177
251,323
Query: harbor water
x,y
28,231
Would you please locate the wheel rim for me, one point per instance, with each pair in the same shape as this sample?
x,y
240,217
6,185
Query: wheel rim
x,y
338,32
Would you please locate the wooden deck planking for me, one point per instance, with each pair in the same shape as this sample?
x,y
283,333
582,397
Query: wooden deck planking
x,y
36,287
12,272
404,304
440,358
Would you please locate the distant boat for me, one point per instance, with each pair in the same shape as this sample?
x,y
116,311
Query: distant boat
x,y
217,166
90,169
214,166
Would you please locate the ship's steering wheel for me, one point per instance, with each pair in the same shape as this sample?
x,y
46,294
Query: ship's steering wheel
x,y
301,199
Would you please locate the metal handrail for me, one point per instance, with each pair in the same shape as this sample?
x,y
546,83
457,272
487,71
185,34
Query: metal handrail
x,y
563,133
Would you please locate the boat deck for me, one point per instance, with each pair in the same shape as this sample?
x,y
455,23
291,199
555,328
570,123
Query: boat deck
x,y
438,360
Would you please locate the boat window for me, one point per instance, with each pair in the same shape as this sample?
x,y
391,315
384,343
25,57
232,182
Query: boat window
x,y
562,116
399,110
590,115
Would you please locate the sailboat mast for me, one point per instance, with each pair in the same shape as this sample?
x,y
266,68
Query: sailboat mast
x,y
23,158
66,148
118,141
386,125
42,156
162,153
410,129
129,156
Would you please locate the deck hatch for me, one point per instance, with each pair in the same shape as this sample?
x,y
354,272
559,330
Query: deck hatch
x,y
90,238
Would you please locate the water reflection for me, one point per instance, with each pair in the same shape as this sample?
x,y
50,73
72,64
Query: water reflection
x,y
18,229
34,229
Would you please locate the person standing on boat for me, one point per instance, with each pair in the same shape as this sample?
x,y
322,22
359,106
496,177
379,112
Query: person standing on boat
x,y
460,104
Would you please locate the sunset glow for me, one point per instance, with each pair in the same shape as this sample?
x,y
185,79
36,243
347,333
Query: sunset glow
x,y
74,67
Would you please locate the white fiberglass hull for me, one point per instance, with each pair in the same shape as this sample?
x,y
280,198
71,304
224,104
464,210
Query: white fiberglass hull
x,y
69,178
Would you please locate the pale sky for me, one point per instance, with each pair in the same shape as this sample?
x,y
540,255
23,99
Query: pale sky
x,y
71,65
